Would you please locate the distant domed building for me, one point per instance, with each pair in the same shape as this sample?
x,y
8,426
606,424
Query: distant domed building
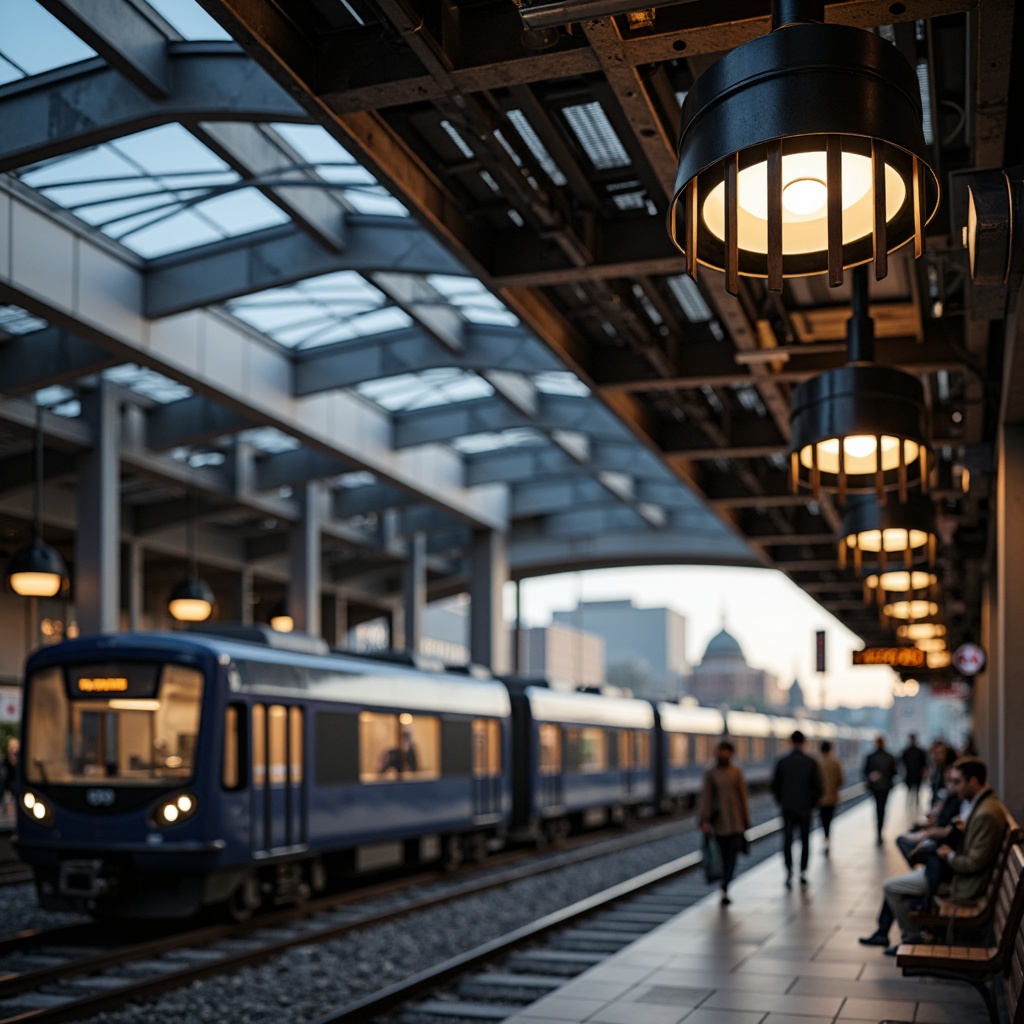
x,y
724,677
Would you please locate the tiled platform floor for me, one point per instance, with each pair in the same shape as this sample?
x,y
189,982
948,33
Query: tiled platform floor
x,y
774,956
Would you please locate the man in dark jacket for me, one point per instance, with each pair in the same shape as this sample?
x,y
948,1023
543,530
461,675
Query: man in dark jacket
x,y
797,788
879,773
914,762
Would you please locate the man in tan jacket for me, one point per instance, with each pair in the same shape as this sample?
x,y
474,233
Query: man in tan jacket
x,y
831,772
984,822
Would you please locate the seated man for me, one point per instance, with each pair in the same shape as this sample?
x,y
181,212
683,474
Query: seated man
x,y
984,819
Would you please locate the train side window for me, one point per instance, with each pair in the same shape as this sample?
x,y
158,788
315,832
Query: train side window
x,y
678,749
643,750
259,745
758,751
705,746
626,753
295,744
278,753
421,746
379,755
550,737
486,747
586,749
335,748
233,776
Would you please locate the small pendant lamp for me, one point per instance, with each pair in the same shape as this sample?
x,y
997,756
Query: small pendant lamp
x,y
890,535
192,599
802,152
37,570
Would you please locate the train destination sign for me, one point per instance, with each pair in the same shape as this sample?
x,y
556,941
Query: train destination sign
x,y
897,657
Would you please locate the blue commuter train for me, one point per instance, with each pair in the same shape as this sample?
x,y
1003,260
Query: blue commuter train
x,y
167,772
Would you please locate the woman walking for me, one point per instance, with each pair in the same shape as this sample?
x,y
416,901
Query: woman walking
x,y
831,781
724,809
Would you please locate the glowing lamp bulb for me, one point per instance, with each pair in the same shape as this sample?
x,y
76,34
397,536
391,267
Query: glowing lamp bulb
x,y
184,804
170,813
29,800
804,196
38,811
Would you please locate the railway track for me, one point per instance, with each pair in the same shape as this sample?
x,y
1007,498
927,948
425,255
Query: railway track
x,y
66,974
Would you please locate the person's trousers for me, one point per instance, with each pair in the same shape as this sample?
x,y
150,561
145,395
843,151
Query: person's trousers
x,y
792,820
826,813
880,802
730,847
903,893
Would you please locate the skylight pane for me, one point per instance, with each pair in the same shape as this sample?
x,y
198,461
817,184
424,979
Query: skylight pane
x,y
33,41
148,383
559,382
269,439
15,320
181,231
244,210
596,136
536,147
518,437
313,143
689,297
425,390
189,19
168,149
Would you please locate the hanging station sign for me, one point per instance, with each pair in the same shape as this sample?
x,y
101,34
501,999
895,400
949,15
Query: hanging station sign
x,y
896,657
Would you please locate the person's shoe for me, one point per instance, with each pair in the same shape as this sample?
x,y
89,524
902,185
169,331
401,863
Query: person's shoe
x,y
874,939
803,882
879,841
892,950
826,849
725,901
789,881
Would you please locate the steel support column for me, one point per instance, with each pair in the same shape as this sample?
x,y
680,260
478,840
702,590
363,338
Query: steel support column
x,y
304,562
97,573
488,637
414,590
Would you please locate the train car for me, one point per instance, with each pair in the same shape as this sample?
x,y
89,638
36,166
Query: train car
x,y
580,760
165,772
687,738
756,744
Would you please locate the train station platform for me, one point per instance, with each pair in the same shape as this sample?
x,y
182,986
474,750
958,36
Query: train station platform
x,y
774,956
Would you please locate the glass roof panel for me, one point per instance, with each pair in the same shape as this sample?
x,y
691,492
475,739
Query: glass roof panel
x,y
559,382
334,307
189,19
148,383
424,390
518,437
473,300
332,162
269,439
39,43
15,320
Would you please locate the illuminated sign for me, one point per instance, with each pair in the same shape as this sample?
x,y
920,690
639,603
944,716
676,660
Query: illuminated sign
x,y
897,657
103,684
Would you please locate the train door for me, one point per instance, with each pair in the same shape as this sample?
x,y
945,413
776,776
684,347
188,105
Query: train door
x,y
486,783
627,761
549,765
278,795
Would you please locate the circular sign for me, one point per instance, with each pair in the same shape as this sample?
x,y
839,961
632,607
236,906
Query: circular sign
x,y
969,659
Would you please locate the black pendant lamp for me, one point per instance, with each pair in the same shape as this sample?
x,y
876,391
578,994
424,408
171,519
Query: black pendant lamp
x,y
37,570
281,619
802,152
889,536
192,599
861,428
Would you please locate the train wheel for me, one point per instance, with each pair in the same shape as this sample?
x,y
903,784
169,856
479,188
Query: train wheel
x,y
556,831
476,848
317,875
452,853
242,903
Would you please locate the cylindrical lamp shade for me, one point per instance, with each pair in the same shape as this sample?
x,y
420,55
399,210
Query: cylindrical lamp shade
x,y
888,535
921,631
281,620
801,153
931,646
191,601
911,609
36,571
859,429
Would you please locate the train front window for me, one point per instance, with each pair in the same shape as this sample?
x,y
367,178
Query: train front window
x,y
131,723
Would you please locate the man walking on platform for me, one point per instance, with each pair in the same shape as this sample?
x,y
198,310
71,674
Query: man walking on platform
x,y
914,761
879,773
797,789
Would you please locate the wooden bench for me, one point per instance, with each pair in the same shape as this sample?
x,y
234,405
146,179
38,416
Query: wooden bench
x,y
948,914
981,965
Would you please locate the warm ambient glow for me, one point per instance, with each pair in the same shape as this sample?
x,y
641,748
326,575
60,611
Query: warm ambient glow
x,y
36,584
888,540
931,646
190,609
282,623
859,458
899,581
939,659
916,609
804,202
920,630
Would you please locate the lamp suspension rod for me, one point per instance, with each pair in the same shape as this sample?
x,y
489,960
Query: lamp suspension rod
x,y
860,328
37,493
797,12
192,540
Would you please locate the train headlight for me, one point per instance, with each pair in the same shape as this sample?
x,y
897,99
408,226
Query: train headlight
x,y
174,809
36,808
